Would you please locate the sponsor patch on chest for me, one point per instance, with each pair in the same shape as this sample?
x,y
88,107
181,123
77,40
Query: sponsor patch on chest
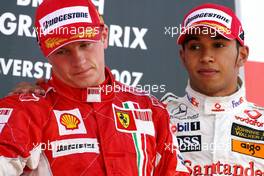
x,y
185,126
251,117
130,120
190,143
247,132
182,112
248,148
73,146
70,122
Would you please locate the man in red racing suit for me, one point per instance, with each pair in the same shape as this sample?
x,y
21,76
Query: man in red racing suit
x,y
95,131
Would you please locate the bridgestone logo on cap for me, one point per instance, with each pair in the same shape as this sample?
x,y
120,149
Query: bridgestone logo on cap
x,y
209,14
65,16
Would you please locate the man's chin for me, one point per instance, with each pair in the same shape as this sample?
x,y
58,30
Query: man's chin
x,y
88,83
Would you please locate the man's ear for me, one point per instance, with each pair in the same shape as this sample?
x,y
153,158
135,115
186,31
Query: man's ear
x,y
243,55
105,36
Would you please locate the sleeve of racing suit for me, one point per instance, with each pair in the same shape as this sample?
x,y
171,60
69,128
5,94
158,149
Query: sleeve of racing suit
x,y
168,160
20,135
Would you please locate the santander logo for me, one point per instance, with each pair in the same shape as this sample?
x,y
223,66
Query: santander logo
x,y
220,168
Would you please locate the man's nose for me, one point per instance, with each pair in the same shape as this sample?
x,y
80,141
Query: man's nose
x,y
207,56
78,58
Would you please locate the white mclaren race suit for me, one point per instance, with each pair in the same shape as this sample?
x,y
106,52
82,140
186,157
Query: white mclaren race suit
x,y
218,135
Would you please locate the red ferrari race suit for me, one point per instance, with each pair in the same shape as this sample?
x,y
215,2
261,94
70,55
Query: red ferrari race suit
x,y
94,131
218,135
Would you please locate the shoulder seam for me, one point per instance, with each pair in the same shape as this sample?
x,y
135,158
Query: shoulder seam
x,y
168,97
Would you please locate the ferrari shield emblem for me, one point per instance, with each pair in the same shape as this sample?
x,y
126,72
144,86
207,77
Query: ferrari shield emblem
x,y
123,119
131,120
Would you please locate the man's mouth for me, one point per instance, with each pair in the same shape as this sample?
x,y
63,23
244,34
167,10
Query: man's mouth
x,y
208,72
83,71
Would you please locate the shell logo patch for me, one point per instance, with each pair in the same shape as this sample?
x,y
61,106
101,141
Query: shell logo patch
x,y
123,118
70,121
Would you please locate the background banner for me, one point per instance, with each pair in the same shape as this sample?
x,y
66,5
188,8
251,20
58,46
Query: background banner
x,y
142,48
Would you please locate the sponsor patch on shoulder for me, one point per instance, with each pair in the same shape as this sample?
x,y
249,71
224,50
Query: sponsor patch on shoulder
x,y
248,148
5,114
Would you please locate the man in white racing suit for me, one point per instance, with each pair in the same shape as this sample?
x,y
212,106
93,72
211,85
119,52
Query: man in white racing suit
x,y
218,131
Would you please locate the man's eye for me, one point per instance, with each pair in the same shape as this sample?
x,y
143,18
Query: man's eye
x,y
194,47
84,45
60,52
219,45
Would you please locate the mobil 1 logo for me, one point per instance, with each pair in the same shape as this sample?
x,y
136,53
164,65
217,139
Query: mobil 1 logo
x,y
188,126
190,143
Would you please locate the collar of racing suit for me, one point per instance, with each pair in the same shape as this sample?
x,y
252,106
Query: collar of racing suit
x,y
99,93
217,105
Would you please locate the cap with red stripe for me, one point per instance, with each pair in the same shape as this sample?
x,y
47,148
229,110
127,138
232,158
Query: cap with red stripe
x,y
59,22
218,17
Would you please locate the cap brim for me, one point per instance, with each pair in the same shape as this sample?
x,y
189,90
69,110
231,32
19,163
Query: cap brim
x,y
50,45
185,32
72,41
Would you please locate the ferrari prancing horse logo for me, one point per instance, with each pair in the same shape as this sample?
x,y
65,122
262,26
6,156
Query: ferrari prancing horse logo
x,y
123,118
128,118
